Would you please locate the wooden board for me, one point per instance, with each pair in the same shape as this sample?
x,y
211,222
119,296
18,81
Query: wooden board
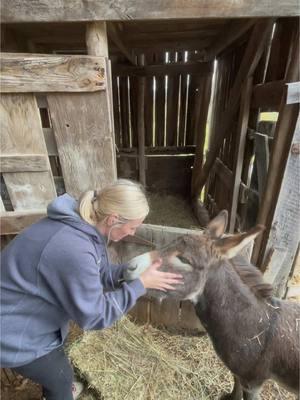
x,y
21,73
14,222
21,133
80,10
285,230
21,163
84,141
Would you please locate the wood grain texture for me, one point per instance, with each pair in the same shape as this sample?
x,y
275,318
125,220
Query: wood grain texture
x,y
81,10
21,73
21,163
84,141
21,133
14,222
285,229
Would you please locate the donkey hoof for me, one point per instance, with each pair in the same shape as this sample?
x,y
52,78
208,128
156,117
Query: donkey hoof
x,y
226,396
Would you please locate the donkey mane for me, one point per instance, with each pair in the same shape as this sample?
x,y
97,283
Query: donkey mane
x,y
252,277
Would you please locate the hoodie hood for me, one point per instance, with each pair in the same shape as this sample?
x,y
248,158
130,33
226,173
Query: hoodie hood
x,y
65,209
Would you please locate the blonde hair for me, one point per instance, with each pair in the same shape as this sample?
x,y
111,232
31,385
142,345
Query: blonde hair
x,y
125,198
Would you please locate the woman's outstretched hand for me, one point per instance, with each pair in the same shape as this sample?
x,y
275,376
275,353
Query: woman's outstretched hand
x,y
152,278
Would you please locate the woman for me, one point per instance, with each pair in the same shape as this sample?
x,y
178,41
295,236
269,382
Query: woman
x,y
58,270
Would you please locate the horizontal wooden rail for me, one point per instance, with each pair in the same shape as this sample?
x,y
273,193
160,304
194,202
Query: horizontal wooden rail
x,y
23,73
12,222
197,68
24,163
95,10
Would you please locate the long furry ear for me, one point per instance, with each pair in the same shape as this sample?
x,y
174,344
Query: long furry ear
x,y
230,246
217,226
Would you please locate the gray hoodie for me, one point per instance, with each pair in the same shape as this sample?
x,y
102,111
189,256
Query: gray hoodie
x,y
55,271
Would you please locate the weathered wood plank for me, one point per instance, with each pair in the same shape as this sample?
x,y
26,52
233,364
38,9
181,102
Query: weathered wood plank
x,y
21,133
23,73
230,33
201,108
255,47
13,222
267,95
240,149
293,93
85,144
50,142
80,10
286,222
284,132
21,163
198,68
141,126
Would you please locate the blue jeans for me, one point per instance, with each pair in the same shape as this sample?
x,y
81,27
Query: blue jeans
x,y
54,372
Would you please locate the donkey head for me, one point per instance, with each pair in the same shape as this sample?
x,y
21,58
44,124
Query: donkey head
x,y
193,256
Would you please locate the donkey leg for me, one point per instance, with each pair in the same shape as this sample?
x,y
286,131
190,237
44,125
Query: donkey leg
x,y
237,392
251,393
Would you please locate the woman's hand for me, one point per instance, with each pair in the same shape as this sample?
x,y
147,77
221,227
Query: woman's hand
x,y
152,278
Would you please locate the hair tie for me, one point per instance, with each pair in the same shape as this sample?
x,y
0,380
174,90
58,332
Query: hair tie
x,y
95,197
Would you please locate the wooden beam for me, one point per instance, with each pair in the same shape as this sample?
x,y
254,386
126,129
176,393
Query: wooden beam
x,y
284,132
95,10
23,73
201,108
267,95
141,125
178,44
240,150
24,163
116,37
256,44
13,222
286,222
197,68
227,36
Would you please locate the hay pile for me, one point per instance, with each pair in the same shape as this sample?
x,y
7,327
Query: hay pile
x,y
170,210
131,362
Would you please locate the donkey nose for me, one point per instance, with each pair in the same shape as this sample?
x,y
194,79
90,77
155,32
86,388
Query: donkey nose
x,y
137,265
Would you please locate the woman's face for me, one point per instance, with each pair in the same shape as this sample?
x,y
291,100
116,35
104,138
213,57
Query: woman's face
x,y
119,231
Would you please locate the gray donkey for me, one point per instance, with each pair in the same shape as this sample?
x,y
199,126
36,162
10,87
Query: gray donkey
x,y
255,334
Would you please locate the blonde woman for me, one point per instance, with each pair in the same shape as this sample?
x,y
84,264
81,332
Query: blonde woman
x,y
58,270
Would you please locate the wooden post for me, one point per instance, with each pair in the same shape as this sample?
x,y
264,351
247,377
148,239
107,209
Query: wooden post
x,y
240,145
285,230
257,42
97,45
201,111
285,128
141,125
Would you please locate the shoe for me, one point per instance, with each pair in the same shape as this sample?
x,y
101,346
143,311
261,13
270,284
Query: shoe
x,y
77,389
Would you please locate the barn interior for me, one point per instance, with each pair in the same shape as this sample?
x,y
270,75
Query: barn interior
x,y
204,112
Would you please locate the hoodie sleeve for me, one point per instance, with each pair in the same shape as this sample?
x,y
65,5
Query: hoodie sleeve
x,y
71,276
111,274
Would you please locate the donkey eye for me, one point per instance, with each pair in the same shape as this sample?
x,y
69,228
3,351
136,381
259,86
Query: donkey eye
x,y
183,259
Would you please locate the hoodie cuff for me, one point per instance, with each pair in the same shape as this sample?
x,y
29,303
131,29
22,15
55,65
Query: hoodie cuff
x,y
138,287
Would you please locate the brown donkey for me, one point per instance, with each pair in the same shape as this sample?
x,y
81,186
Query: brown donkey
x,y
255,335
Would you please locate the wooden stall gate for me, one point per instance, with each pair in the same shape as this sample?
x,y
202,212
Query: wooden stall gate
x,y
55,113
168,313
179,315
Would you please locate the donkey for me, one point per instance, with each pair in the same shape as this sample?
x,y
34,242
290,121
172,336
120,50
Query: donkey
x,y
255,334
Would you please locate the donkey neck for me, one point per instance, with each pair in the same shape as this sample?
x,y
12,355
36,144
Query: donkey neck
x,y
227,304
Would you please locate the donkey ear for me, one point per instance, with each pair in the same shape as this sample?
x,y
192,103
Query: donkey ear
x,y
217,226
230,246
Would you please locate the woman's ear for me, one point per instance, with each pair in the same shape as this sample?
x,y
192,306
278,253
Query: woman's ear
x,y
112,219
